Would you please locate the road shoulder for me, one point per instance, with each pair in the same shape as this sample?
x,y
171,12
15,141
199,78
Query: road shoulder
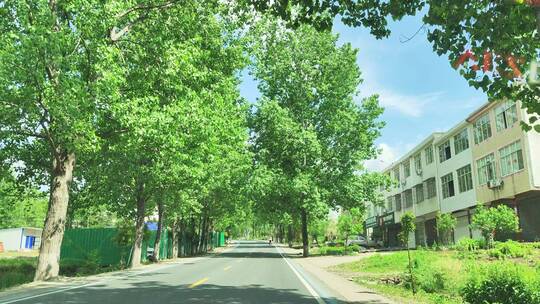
x,y
38,289
348,291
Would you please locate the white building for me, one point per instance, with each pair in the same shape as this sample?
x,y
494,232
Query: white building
x,y
485,158
15,239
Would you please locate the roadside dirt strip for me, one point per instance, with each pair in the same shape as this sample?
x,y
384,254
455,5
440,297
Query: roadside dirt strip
x,y
349,291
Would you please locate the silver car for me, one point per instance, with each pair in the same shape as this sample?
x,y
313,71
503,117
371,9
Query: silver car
x,y
362,241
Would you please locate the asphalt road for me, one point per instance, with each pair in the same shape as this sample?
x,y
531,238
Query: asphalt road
x,y
251,272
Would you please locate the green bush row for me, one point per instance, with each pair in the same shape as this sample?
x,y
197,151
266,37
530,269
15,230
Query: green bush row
x,y
19,271
16,271
333,250
509,249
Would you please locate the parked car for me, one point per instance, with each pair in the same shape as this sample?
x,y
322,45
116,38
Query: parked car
x,y
333,243
362,241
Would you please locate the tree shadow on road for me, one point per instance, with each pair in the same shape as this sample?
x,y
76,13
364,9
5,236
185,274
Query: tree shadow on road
x,y
154,292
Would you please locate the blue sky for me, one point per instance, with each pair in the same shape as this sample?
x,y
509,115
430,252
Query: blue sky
x,y
420,91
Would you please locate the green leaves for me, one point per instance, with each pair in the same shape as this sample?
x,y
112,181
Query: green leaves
x,y
407,226
495,220
492,31
368,13
309,134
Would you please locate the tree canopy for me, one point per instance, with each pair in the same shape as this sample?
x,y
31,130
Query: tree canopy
x,y
310,136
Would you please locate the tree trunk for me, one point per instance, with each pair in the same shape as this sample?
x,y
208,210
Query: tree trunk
x,y
139,227
202,239
411,270
192,239
157,242
175,238
305,237
53,230
290,236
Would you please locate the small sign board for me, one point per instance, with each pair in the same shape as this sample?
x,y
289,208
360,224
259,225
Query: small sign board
x,y
371,222
386,219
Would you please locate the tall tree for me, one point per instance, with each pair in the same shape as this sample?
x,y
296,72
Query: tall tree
x,y
57,75
181,129
309,133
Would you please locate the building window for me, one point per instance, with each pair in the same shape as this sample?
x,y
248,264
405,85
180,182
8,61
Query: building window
x,y
482,129
447,184
465,178
429,155
418,164
389,203
461,142
505,115
431,188
397,199
419,193
396,174
408,198
511,158
407,168
444,152
486,169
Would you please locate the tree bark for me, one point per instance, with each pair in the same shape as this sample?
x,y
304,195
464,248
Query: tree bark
x,y
305,239
139,227
48,264
175,238
290,235
203,236
193,239
157,242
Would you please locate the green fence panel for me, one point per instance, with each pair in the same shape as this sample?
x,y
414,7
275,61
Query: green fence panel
x,y
221,239
93,244
165,245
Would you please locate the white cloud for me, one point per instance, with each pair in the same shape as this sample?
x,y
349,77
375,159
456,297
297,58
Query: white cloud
x,y
409,105
386,157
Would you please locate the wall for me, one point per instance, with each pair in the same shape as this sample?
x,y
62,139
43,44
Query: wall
x,y
11,238
460,200
533,159
513,184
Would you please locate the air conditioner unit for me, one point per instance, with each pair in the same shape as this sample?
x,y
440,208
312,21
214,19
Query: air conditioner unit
x,y
418,171
403,183
494,183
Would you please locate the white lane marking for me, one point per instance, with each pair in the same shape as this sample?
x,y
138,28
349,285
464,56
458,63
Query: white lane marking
x,y
304,282
104,280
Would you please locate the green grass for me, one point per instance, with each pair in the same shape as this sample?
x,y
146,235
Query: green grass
x,y
16,271
20,270
439,275
402,295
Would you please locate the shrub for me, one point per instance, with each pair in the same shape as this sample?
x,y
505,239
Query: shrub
x,y
446,223
495,221
496,254
354,248
502,283
509,249
468,244
426,278
330,250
